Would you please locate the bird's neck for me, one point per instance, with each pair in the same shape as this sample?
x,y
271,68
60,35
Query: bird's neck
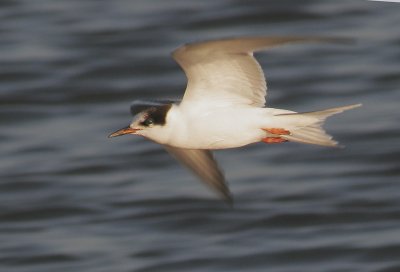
x,y
176,128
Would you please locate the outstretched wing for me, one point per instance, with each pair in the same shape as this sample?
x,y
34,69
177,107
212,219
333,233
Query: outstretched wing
x,y
202,163
226,71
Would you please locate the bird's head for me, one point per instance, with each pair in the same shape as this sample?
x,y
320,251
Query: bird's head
x,y
149,120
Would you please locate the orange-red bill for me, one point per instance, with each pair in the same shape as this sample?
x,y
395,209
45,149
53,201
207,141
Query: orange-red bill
x,y
123,131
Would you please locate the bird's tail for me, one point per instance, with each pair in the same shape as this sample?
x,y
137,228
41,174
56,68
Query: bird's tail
x,y
307,128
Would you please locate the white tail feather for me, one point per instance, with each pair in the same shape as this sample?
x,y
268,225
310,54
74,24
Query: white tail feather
x,y
307,128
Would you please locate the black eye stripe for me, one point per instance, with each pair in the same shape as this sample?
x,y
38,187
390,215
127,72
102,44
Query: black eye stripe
x,y
147,122
156,115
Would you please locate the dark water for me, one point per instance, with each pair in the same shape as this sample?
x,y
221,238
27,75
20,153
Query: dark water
x,y
73,200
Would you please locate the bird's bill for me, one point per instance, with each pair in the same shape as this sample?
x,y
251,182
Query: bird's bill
x,y
123,131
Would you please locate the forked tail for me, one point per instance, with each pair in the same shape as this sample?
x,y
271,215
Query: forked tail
x,y
307,128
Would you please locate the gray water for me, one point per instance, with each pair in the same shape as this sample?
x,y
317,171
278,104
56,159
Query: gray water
x,y
73,200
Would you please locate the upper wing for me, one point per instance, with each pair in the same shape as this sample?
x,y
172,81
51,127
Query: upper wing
x,y
225,70
203,164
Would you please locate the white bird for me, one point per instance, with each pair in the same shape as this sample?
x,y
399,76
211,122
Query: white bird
x,y
224,107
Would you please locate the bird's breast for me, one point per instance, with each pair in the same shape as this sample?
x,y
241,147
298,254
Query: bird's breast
x,y
216,129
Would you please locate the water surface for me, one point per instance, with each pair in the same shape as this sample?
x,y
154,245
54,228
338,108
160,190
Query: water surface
x,y
73,200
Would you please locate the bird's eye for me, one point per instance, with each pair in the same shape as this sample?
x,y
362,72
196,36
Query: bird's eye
x,y
148,122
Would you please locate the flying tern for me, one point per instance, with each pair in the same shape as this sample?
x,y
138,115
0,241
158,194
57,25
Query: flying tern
x,y
224,107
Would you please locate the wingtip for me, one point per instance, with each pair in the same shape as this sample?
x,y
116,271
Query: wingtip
x,y
228,198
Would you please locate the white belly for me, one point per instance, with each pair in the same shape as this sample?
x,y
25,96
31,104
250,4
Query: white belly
x,y
219,129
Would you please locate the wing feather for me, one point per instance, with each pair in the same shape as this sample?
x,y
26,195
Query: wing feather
x,y
225,70
202,163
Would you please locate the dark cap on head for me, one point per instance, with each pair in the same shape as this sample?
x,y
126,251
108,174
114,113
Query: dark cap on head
x,y
157,114
155,111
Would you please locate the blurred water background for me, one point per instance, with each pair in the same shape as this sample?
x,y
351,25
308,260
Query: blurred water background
x,y
73,200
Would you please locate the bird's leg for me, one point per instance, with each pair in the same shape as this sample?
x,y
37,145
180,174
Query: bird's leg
x,y
275,139
277,131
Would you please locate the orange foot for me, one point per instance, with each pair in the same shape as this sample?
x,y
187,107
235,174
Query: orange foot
x,y
278,131
273,140
275,131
